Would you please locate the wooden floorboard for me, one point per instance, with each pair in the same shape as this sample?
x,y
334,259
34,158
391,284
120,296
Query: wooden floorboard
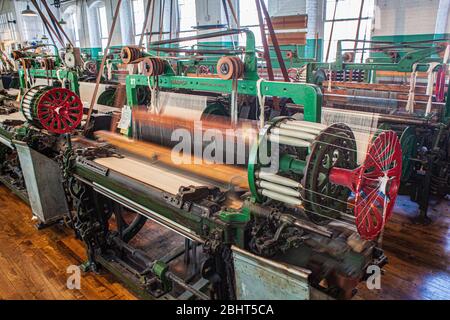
x,y
33,263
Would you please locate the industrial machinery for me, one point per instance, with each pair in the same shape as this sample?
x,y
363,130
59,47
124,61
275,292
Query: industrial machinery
x,y
73,73
418,110
408,57
238,230
31,140
306,206
298,210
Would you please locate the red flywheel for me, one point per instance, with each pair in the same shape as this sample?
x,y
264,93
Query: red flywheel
x,y
59,110
375,184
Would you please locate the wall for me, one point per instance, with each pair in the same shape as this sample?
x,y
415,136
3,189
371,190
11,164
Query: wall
x,y
9,31
411,20
315,9
212,13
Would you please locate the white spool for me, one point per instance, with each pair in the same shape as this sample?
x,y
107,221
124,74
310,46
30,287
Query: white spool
x,y
294,134
289,141
278,189
279,197
270,177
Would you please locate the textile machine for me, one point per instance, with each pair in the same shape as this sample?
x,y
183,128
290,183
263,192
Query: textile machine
x,y
31,140
418,110
72,73
300,217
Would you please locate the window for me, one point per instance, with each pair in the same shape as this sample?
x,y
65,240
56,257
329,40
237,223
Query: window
x,y
138,18
188,19
346,25
7,29
248,17
74,24
103,25
71,26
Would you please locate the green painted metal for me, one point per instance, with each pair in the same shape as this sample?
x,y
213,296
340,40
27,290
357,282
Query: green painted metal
x,y
93,53
253,166
287,163
307,95
290,164
160,270
71,76
259,279
239,220
200,225
303,54
421,57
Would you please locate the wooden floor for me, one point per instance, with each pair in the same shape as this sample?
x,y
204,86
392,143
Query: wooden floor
x,y
33,263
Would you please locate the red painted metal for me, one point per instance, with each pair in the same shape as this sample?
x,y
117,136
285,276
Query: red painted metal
x,y
440,87
375,184
59,110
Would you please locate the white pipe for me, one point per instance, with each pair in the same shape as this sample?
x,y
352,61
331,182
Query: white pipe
x,y
296,127
278,189
279,197
278,179
294,134
308,124
289,141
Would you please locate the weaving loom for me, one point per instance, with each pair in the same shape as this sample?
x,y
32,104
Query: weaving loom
x,y
278,186
319,186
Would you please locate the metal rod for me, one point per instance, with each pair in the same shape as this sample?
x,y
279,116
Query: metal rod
x,y
358,28
233,12
199,37
219,52
275,43
52,16
184,285
293,126
270,73
144,26
332,31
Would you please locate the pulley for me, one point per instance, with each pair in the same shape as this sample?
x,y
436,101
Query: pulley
x,y
90,67
57,110
348,57
70,60
130,55
152,67
47,64
230,67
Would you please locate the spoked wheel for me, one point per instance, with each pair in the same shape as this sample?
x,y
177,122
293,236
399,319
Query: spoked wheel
x,y
335,147
375,184
57,110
